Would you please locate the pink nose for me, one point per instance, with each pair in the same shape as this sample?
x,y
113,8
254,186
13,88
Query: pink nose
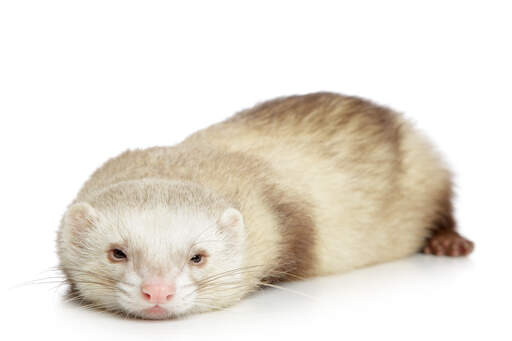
x,y
158,292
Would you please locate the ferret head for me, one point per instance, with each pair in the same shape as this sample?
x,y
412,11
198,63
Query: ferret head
x,y
153,249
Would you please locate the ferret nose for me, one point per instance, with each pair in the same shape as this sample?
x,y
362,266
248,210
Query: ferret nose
x,y
158,292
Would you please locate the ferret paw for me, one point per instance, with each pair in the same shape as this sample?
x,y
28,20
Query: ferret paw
x,y
448,244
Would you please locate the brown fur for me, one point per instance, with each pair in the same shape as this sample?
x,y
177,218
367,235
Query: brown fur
x,y
444,239
296,225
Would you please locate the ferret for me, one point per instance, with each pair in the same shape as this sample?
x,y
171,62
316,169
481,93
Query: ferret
x,y
292,188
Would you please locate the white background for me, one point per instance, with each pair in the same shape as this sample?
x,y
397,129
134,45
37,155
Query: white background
x,y
80,81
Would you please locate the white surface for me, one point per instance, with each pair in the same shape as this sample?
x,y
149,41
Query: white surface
x,y
82,81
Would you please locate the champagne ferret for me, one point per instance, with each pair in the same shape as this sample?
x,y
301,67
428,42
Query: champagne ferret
x,y
294,187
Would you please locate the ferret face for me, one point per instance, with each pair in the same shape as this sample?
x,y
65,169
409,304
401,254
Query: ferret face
x,y
153,263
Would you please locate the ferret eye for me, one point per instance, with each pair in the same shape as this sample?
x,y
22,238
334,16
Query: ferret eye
x,y
197,259
117,255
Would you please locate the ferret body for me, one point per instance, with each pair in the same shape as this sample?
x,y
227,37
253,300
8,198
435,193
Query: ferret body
x,y
295,187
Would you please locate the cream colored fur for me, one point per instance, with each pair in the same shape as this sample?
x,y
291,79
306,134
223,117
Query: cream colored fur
x,y
372,186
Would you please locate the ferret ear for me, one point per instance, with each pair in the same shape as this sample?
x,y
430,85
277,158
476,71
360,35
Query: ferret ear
x,y
79,219
231,221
